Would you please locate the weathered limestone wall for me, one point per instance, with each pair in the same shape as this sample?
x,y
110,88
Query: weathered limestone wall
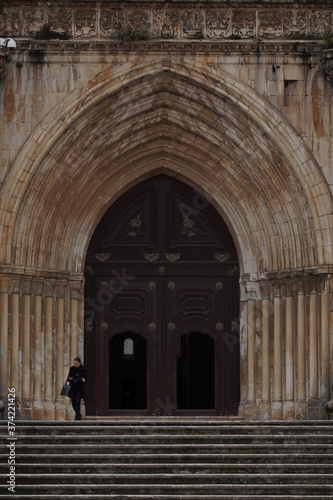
x,y
237,102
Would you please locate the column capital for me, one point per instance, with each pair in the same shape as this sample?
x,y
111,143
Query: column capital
x,y
14,285
49,286
26,285
265,289
76,288
61,286
250,290
37,286
325,283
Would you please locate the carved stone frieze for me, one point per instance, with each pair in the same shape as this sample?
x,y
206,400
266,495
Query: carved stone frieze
x,y
192,23
85,23
86,20
111,22
218,23
244,24
34,19
270,24
165,23
295,22
10,22
320,22
61,21
138,20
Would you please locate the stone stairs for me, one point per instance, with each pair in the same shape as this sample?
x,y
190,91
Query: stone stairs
x,y
166,458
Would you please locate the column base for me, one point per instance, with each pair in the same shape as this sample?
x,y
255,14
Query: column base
x,y
288,410
313,409
251,412
277,410
38,410
300,410
49,408
265,413
323,413
60,409
26,410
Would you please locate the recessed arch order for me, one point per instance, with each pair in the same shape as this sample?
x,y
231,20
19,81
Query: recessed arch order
x,y
193,122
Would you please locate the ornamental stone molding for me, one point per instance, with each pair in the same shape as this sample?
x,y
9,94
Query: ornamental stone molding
x,y
207,20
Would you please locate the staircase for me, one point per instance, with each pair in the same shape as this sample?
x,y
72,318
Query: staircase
x,y
168,458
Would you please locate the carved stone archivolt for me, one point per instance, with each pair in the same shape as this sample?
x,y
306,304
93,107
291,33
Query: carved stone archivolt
x,y
100,20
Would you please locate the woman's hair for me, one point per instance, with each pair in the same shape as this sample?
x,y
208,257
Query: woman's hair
x,y
78,360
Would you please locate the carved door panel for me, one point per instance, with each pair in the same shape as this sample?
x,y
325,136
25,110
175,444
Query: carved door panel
x,y
131,314
197,308
162,276
177,332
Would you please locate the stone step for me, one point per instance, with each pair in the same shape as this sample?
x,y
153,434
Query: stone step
x,y
181,439
178,458
178,490
161,478
172,497
213,430
173,468
134,448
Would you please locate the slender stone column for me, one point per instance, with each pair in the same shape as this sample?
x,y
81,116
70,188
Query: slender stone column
x,y
15,332
48,351
325,343
265,410
26,409
313,329
277,370
4,382
301,355
252,289
251,351
289,407
60,376
75,290
37,287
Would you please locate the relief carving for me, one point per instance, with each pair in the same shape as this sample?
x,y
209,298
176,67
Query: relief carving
x,y
138,21
218,23
111,21
85,23
192,23
10,22
60,21
320,23
244,24
33,20
165,23
294,22
270,24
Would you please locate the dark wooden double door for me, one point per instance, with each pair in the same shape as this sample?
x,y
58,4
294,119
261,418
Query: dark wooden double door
x,y
162,337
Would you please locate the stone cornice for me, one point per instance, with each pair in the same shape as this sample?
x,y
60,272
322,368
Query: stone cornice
x,y
169,46
105,20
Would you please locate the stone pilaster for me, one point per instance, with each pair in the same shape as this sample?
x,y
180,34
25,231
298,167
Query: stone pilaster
x,y
289,400
26,404
4,306
49,285
277,407
60,404
265,406
38,407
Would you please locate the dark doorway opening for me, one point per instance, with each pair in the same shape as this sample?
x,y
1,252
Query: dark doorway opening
x,y
128,372
195,373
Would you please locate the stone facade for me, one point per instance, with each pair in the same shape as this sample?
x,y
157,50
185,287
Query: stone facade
x,y
233,98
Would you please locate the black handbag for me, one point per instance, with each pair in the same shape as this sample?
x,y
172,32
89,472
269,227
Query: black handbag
x,y
66,390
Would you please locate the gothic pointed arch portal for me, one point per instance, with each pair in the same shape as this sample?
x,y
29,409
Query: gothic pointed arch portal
x,y
162,305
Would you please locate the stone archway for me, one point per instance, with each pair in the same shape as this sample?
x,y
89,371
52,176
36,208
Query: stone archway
x,y
219,136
